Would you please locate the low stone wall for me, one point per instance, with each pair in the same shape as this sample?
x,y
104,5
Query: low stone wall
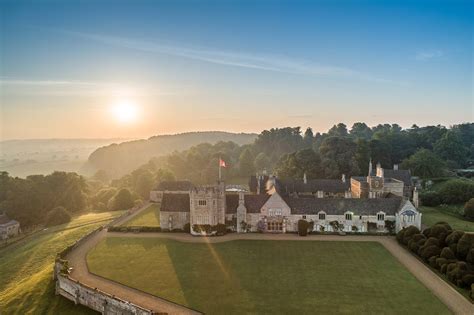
x,y
95,299
82,294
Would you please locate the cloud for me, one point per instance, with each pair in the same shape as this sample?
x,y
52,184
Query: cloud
x,y
428,55
266,62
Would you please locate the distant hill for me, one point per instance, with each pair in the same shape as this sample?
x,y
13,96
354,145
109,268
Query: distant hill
x,y
120,159
43,156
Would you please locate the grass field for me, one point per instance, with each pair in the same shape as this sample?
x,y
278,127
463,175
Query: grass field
x,y
432,215
149,217
281,277
26,285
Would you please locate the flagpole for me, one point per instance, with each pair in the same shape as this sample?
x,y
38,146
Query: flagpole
x,y
219,168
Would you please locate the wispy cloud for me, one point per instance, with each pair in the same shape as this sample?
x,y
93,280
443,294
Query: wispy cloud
x,y
429,54
265,62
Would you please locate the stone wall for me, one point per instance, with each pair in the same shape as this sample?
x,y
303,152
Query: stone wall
x,y
95,299
170,220
82,294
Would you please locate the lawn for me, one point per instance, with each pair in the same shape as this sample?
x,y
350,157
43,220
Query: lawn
x,y
281,277
26,285
432,215
148,217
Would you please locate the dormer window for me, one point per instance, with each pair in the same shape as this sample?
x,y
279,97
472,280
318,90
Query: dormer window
x,y
380,217
322,216
348,216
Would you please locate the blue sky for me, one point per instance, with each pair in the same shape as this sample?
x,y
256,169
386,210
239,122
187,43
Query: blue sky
x,y
231,65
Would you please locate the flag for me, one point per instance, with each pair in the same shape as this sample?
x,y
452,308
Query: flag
x,y
222,163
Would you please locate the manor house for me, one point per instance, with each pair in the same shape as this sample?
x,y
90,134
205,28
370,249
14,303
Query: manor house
x,y
277,212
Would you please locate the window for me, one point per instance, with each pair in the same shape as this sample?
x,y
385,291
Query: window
x,y
380,217
349,216
304,217
322,216
202,202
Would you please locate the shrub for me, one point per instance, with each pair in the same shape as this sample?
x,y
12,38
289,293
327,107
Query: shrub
x,y
390,226
464,245
221,229
409,232
413,243
454,237
445,224
187,228
430,198
447,253
470,256
469,209
440,232
432,261
261,226
457,191
426,232
444,268
400,235
138,203
468,279
58,215
303,227
440,262
430,251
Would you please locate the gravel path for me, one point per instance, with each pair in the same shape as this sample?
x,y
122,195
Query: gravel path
x,y
447,294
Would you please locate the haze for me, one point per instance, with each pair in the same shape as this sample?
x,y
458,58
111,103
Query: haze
x,y
102,69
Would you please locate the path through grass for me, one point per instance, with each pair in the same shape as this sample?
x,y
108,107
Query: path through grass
x,y
148,217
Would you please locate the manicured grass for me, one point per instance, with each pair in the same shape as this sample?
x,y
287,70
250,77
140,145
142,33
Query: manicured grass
x,y
149,217
26,284
432,215
284,277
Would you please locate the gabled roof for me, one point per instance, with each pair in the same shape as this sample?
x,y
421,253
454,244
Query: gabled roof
x,y
401,175
175,203
5,221
338,206
253,203
312,186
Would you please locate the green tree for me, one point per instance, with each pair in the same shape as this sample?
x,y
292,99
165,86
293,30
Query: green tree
x,y
262,162
144,184
246,165
122,200
308,138
339,130
295,165
451,148
338,157
361,130
380,152
57,216
362,155
425,164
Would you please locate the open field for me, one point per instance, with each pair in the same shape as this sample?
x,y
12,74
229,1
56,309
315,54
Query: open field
x,y
266,276
148,217
431,215
26,284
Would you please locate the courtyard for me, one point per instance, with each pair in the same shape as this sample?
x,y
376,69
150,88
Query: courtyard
x,y
262,276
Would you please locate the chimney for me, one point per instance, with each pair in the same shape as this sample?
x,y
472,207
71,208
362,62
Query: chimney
x,y
379,170
305,180
395,167
343,178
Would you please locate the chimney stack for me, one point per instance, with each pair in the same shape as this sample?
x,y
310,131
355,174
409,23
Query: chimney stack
x,y
395,167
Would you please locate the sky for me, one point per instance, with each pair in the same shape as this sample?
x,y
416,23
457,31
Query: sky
x,y
134,69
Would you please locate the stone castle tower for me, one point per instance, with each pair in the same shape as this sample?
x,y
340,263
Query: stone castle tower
x,y
207,205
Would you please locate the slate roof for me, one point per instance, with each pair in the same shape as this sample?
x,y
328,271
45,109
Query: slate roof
x,y
253,184
338,206
312,186
5,221
253,203
180,185
402,175
175,202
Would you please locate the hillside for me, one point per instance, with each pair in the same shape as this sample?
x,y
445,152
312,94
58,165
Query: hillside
x,y
120,159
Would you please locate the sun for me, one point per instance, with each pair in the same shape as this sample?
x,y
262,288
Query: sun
x,y
125,111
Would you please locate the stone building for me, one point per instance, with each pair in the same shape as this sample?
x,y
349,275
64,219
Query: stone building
x,y
170,187
8,228
277,213
381,183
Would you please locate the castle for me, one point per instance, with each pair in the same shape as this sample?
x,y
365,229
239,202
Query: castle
x,y
377,202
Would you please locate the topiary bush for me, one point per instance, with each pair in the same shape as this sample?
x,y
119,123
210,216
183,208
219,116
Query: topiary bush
x,y
426,232
303,226
454,237
408,234
464,245
187,228
429,251
468,279
413,244
447,253
469,209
